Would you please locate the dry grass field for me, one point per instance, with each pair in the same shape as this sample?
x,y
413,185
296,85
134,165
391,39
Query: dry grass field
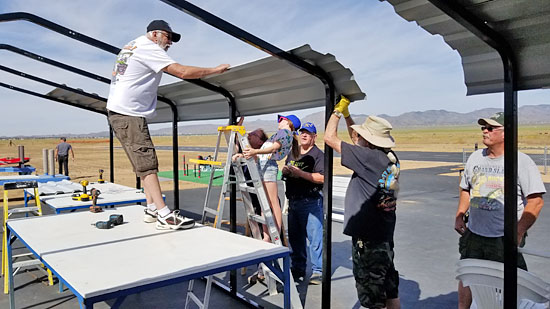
x,y
93,154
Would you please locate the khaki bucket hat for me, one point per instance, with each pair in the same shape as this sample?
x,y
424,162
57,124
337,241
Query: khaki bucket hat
x,y
376,131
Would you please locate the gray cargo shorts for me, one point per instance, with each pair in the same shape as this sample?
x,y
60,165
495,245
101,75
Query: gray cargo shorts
x,y
133,134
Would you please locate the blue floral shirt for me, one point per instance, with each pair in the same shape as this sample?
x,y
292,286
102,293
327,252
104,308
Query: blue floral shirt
x,y
283,136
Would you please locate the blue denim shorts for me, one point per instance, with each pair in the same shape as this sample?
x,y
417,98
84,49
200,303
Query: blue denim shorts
x,y
268,170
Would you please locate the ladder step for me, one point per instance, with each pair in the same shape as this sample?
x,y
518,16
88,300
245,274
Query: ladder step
x,y
22,210
238,199
212,211
257,218
246,188
26,263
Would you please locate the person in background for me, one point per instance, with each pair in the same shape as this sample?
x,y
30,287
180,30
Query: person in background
x,y
62,151
133,98
482,194
369,205
304,177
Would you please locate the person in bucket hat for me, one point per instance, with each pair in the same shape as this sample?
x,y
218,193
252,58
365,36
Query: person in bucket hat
x,y
370,203
133,98
304,178
482,197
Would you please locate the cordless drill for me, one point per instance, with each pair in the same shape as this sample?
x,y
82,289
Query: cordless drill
x,y
83,197
101,180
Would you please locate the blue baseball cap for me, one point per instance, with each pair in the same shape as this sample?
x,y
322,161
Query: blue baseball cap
x,y
295,121
310,127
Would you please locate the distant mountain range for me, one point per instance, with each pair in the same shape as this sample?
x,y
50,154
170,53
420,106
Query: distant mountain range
x,y
528,115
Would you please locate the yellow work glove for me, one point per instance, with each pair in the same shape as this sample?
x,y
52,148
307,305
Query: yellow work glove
x,y
342,106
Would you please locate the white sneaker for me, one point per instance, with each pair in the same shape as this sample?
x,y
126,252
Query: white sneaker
x,y
174,221
150,216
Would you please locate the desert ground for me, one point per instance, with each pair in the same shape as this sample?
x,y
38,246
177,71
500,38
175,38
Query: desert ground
x,y
92,154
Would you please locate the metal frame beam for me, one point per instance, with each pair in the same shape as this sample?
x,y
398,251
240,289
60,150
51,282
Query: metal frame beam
x,y
483,31
53,84
316,71
43,96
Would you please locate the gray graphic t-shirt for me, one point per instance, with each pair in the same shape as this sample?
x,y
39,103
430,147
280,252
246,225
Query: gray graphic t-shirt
x,y
484,178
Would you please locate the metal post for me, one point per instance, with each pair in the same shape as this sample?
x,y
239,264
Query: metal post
x,y
21,152
51,162
327,208
111,155
232,200
45,161
545,159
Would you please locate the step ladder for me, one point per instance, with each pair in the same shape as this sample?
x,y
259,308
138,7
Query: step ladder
x,y
236,135
26,259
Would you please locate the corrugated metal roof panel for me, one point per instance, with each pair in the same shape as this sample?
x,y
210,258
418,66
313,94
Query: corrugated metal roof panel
x,y
524,23
268,85
265,86
79,99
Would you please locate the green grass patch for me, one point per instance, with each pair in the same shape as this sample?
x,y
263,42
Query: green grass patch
x,y
194,177
204,176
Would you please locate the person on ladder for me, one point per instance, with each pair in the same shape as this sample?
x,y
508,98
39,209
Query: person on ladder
x,y
276,148
133,98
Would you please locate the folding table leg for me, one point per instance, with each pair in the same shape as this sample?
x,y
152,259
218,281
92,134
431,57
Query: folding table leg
x,y
286,275
10,269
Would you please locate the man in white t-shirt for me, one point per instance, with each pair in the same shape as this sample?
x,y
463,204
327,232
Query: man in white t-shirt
x,y
482,193
133,98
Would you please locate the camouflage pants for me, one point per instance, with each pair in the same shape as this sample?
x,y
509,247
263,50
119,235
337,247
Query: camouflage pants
x,y
376,279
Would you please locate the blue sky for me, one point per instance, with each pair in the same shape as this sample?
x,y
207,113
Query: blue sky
x,y
401,67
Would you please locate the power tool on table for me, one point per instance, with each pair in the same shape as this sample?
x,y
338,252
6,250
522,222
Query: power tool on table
x,y
113,220
94,193
100,179
84,196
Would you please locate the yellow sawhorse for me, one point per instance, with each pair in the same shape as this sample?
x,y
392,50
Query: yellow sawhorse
x,y
37,211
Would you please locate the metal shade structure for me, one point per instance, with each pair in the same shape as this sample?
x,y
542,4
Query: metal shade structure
x,y
268,85
524,24
504,45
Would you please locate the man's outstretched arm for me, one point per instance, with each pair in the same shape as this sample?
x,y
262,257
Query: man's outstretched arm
x,y
191,72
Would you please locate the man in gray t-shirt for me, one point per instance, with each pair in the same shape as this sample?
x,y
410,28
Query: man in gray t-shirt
x,y
482,193
62,155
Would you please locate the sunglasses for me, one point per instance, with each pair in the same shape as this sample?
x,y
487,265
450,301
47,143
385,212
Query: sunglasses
x,y
282,118
489,128
166,34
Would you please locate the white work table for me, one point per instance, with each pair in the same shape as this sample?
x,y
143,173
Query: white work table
x,y
70,246
111,194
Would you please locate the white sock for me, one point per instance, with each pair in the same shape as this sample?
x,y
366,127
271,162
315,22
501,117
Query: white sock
x,y
164,211
152,207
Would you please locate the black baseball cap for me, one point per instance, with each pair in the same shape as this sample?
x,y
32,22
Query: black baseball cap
x,y
162,25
